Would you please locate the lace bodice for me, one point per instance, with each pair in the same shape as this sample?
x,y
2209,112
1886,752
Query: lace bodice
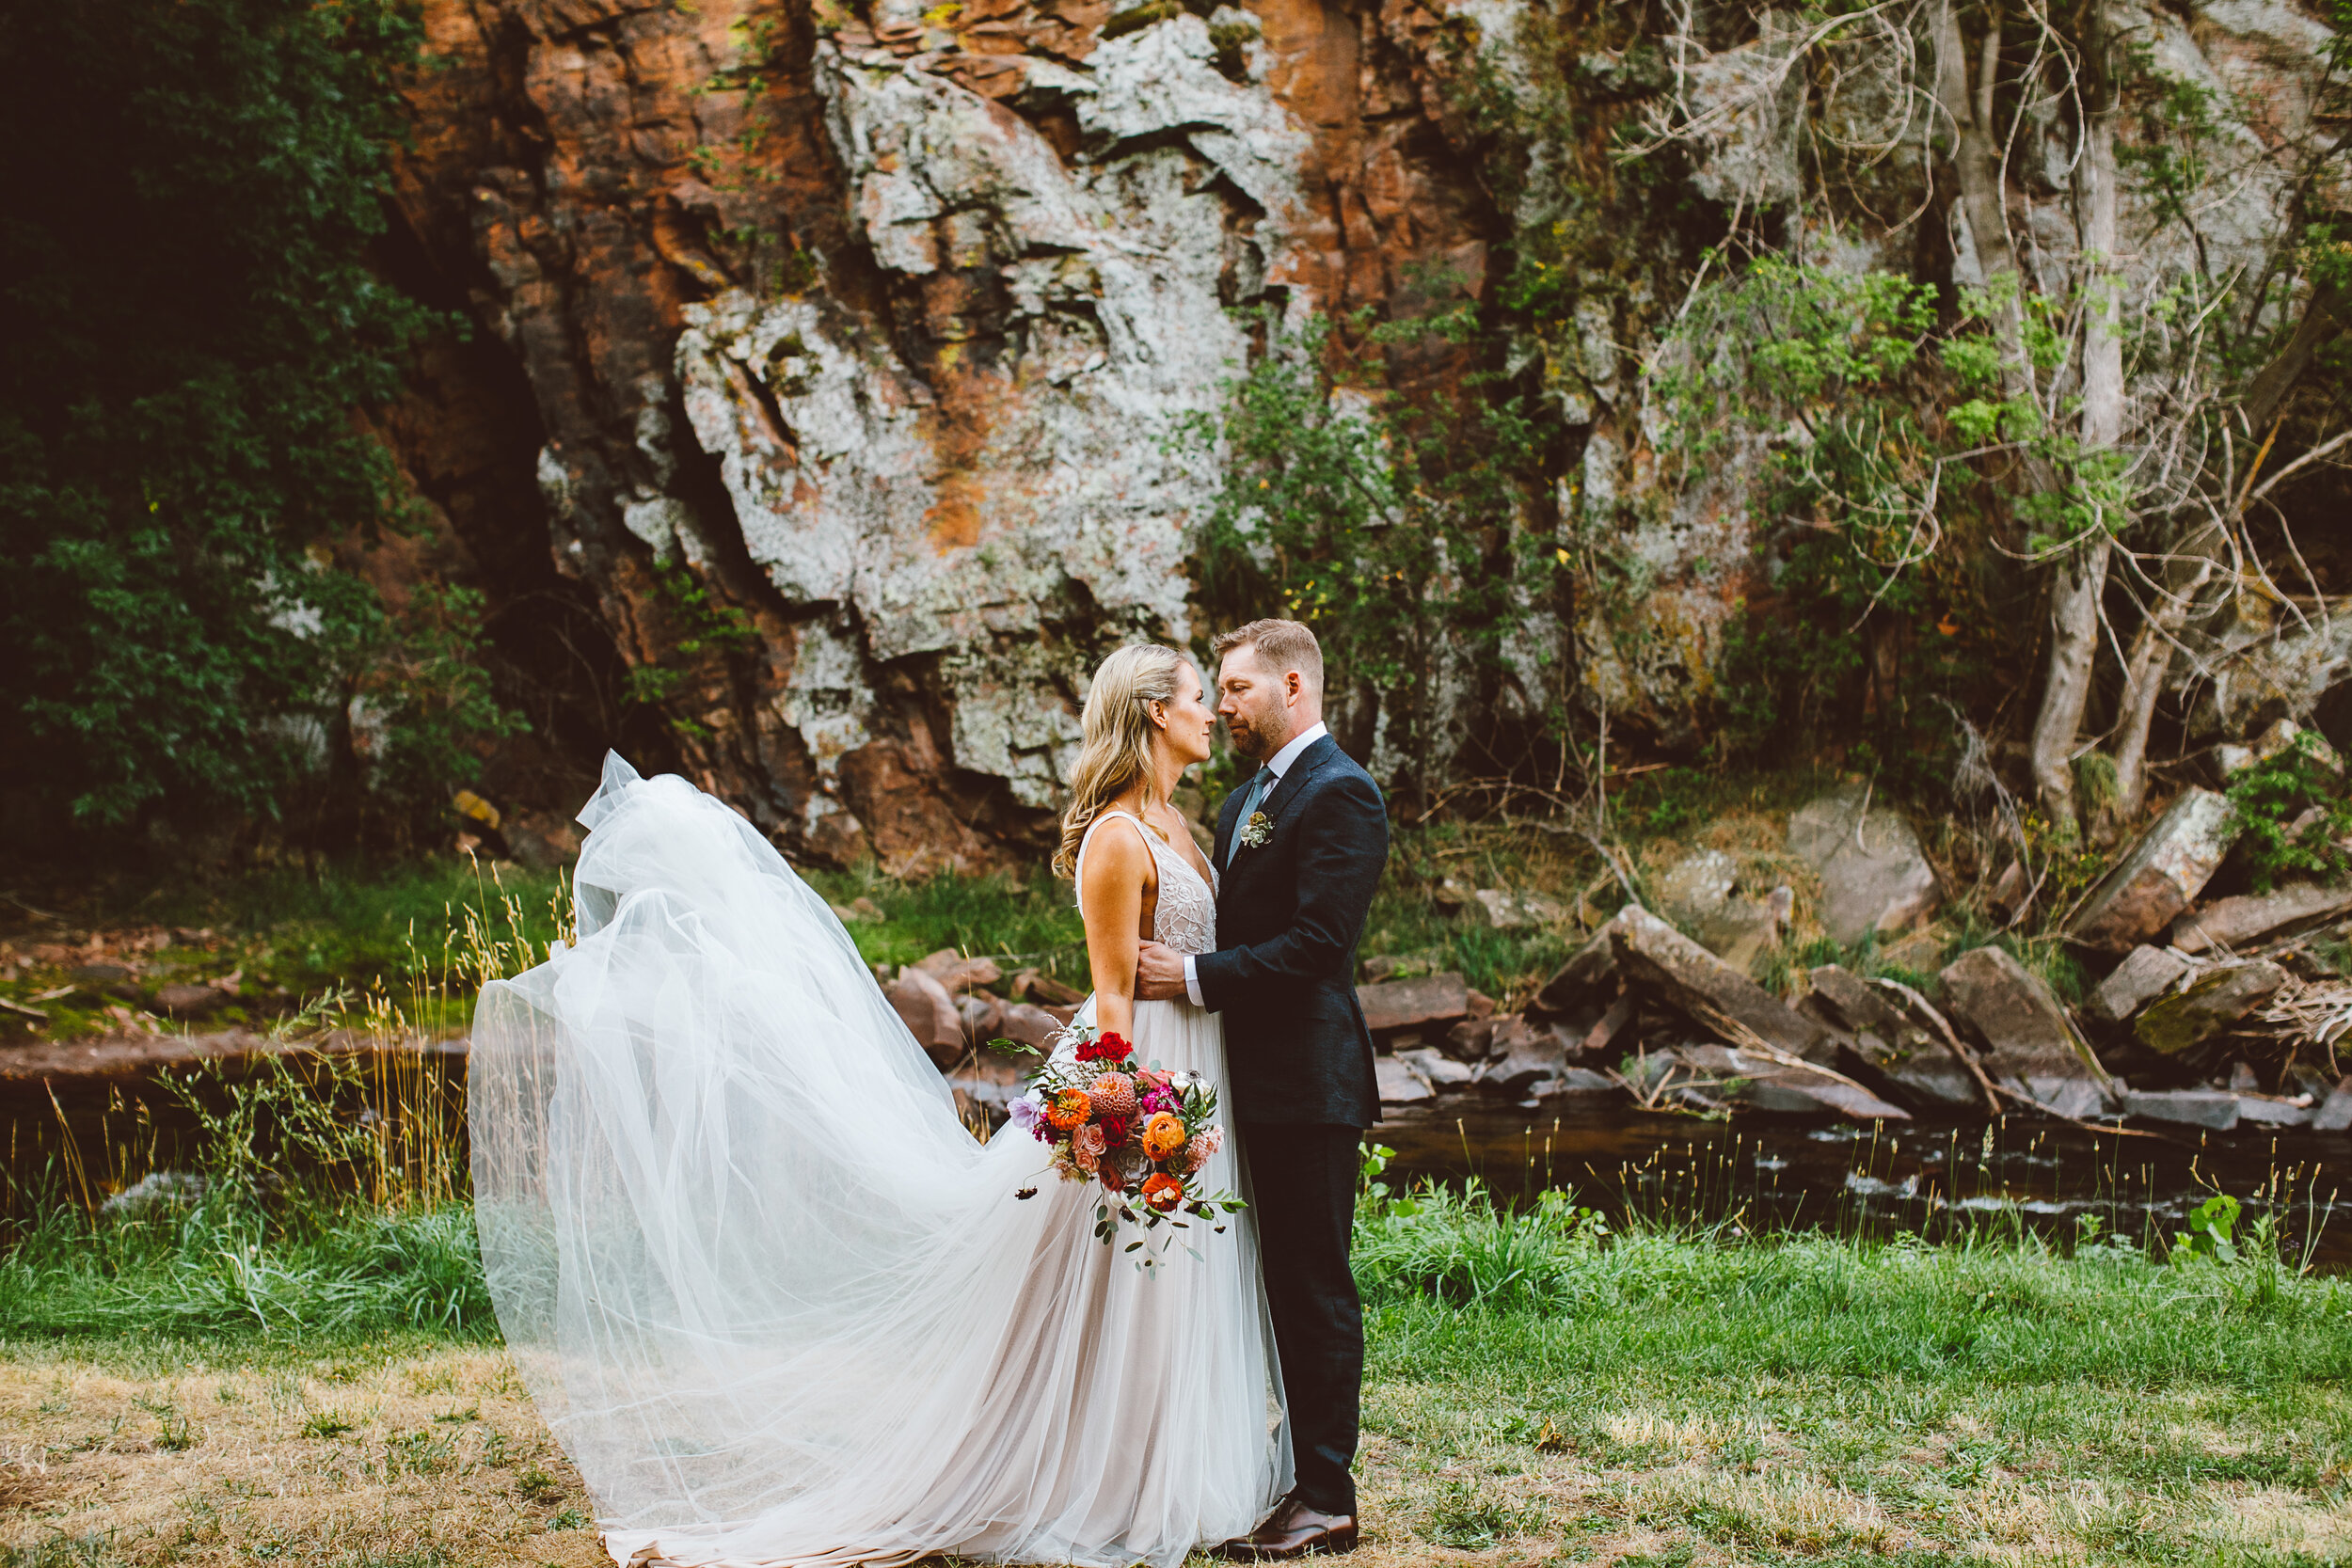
x,y
1185,918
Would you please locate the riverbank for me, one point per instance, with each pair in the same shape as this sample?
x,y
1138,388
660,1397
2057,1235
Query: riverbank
x,y
1539,1390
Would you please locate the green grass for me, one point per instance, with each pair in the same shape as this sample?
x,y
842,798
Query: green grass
x,y
1536,1386
237,1270
1680,1398
1032,919
294,934
1536,1383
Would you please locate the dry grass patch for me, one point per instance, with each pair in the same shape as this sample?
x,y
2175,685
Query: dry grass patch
x,y
404,1462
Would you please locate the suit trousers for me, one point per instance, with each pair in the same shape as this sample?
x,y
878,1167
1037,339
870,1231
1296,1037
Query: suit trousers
x,y
1302,1188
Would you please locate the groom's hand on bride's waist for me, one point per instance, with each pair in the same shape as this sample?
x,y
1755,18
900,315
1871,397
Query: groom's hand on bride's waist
x,y
1160,974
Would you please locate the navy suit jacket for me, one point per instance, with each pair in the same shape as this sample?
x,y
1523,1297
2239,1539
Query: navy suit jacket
x,y
1289,914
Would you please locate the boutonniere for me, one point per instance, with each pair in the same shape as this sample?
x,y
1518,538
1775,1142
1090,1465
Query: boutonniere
x,y
1255,831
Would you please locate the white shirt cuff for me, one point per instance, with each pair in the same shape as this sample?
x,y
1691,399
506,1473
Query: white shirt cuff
x,y
1192,981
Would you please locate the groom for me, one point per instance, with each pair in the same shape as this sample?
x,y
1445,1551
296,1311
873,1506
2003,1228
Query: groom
x,y
1300,846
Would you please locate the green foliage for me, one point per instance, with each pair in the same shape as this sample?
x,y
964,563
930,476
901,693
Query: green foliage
x,y
414,695
2273,796
2210,1224
698,625
187,323
1390,523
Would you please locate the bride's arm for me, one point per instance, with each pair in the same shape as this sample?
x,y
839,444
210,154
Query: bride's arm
x,y
1111,893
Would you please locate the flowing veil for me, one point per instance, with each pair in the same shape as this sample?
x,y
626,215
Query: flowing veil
x,y
777,1303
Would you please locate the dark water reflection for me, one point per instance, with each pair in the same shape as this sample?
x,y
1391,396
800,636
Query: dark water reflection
x,y
1936,1180
1761,1173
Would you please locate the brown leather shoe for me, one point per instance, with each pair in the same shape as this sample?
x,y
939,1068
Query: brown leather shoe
x,y
1294,1530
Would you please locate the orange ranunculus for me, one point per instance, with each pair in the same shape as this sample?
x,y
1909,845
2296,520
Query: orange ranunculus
x,y
1163,1193
1070,1108
1163,1135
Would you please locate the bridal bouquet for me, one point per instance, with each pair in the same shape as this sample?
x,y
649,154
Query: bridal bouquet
x,y
1145,1134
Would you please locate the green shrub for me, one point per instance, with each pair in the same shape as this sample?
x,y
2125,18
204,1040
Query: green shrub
x,y
188,323
2274,795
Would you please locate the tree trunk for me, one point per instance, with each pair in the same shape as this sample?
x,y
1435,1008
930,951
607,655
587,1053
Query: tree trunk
x,y
2183,577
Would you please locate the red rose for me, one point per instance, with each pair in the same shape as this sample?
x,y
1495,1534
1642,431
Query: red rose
x,y
1107,1048
1115,1133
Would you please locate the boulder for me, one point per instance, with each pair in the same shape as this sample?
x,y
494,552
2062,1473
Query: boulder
x,y
1695,893
1581,1087
2271,1111
2234,921
1886,1049
1037,986
2161,876
928,1012
1471,1040
2145,974
1398,1085
957,972
1709,992
1029,1025
1588,981
2215,1110
1506,911
988,1080
2211,1004
2030,1048
1765,1083
1390,1006
2335,1112
1527,1053
1875,877
1438,1071
983,1017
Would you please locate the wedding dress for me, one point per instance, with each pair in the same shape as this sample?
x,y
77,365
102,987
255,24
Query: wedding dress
x,y
777,1303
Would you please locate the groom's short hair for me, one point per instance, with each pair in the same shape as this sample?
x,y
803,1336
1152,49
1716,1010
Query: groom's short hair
x,y
1280,645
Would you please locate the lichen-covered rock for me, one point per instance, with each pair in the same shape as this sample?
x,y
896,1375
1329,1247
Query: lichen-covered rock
x,y
1695,893
1886,1048
2206,1007
2161,876
1875,875
869,324
1677,972
2145,974
2030,1048
878,326
2245,916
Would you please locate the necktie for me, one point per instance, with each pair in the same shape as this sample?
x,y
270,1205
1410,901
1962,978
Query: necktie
x,y
1258,788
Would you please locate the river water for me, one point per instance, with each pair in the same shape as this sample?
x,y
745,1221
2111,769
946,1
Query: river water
x,y
1759,1172
1763,1173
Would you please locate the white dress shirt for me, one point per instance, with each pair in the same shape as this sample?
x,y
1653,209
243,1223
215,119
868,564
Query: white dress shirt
x,y
1278,764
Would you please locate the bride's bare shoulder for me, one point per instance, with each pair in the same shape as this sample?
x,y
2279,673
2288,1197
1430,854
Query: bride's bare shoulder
x,y
1116,859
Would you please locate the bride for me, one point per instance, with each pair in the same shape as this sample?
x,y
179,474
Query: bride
x,y
775,1300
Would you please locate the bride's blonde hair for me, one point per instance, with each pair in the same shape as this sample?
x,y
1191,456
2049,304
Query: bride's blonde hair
x,y
1115,748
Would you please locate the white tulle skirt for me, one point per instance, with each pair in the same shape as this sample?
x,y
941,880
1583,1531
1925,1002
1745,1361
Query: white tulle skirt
x,y
777,1303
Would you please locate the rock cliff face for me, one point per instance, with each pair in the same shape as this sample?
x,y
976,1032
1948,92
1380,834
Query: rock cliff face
x,y
853,343
827,358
